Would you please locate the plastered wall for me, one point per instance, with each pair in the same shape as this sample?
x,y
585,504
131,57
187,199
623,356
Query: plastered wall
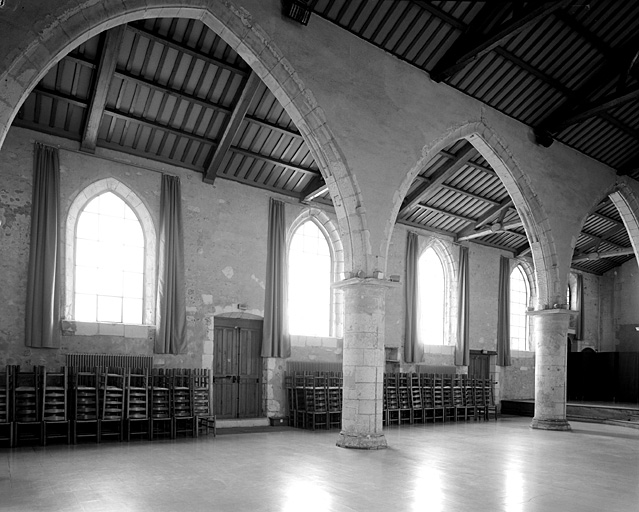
x,y
620,309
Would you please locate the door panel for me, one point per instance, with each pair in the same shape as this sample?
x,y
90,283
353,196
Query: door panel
x,y
237,368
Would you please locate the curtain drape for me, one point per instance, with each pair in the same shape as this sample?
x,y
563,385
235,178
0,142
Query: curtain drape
x,y
579,306
462,350
275,339
43,298
413,351
171,298
503,316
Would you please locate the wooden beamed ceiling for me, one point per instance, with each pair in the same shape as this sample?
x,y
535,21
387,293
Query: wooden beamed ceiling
x,y
171,90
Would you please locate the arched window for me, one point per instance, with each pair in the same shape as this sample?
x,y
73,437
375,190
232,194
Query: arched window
x,y
109,262
519,296
432,300
309,282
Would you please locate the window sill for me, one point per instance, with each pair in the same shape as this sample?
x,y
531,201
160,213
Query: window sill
x,y
298,340
522,353
74,328
439,349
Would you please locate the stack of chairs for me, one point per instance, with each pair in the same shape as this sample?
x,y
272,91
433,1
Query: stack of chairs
x,y
391,399
161,423
334,397
461,411
6,423
484,399
439,408
182,403
316,402
478,399
450,410
137,413
428,398
469,398
85,404
55,410
204,418
403,396
419,413
112,398
27,414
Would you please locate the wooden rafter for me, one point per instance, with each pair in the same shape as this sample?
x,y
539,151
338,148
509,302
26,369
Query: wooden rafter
x,y
457,216
232,127
580,99
506,228
475,42
586,111
487,217
425,190
599,255
314,189
102,80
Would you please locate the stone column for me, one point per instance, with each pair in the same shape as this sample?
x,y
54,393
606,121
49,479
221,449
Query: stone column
x,y
363,363
550,328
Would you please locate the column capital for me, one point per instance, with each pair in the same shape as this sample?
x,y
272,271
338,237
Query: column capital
x,y
372,282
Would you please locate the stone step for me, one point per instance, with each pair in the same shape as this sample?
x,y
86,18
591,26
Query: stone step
x,y
242,423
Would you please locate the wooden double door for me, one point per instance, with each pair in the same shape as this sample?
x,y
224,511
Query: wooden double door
x,y
237,368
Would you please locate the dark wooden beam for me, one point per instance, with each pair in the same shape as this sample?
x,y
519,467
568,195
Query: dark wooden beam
x,y
314,189
102,80
580,98
589,110
457,216
232,127
475,42
426,189
425,228
469,194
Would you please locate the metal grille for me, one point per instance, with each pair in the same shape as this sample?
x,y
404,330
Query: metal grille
x,y
109,360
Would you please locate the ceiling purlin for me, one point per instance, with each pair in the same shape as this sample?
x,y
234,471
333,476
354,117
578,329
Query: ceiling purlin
x,y
470,234
580,98
609,254
474,43
112,42
588,110
427,189
248,90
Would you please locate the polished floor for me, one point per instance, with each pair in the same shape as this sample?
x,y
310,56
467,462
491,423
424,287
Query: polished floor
x,y
474,466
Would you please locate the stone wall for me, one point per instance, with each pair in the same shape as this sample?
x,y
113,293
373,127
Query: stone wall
x,y
620,309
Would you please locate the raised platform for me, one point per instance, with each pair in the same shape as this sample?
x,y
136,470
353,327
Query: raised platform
x,y
625,414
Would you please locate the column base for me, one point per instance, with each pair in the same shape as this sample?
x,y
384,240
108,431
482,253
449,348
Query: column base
x,y
362,441
561,425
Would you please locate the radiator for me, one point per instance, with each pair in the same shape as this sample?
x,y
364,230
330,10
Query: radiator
x,y
109,360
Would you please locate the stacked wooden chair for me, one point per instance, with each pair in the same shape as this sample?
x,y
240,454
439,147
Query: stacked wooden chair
x,y
55,405
111,394
27,414
6,391
391,400
182,403
334,397
204,417
160,401
85,415
137,412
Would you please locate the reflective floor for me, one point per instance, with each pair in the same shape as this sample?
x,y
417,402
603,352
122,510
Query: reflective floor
x,y
483,466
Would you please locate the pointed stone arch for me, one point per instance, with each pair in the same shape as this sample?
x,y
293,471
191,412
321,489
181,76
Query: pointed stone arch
x,y
525,200
62,26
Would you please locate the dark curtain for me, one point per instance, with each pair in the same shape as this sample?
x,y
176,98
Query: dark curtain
x,y
275,339
171,303
413,351
462,350
503,316
579,306
43,296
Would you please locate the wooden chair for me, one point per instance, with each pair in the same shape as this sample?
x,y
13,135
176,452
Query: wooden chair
x,y
111,384
27,412
136,415
85,404
391,399
6,391
160,401
438,397
55,410
182,403
428,400
204,418
316,403
403,396
416,402
335,397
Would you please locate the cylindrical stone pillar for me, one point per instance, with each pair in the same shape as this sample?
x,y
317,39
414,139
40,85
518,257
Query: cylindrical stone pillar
x,y
363,363
550,329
